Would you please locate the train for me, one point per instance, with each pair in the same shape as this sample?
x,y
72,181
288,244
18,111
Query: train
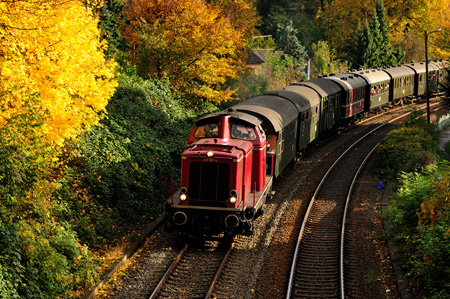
x,y
233,156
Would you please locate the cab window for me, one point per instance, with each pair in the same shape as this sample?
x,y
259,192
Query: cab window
x,y
242,132
207,131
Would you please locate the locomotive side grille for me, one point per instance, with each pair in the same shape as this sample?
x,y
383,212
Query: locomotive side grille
x,y
209,181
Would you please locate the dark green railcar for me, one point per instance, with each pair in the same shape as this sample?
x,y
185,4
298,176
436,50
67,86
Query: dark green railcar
x,y
402,82
330,102
307,102
443,66
419,77
436,74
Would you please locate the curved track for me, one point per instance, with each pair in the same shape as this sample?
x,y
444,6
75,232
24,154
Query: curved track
x,y
317,270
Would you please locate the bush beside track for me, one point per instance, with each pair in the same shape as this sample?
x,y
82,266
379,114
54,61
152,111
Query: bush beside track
x,y
419,211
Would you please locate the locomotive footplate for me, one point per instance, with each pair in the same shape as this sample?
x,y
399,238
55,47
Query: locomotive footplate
x,y
256,200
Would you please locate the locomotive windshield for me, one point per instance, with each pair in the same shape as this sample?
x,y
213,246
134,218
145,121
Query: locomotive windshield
x,y
242,132
207,131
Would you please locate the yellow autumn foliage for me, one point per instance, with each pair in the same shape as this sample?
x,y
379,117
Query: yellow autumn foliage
x,y
52,69
435,207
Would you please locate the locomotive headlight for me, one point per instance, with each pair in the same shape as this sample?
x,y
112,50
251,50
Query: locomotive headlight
x,y
210,154
233,193
233,199
183,192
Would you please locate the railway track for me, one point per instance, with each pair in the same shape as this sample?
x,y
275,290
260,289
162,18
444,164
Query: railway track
x,y
317,269
193,274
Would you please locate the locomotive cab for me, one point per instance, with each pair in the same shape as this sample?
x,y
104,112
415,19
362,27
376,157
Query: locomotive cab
x,y
223,176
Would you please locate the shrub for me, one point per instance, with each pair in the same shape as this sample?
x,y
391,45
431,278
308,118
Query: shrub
x,y
419,215
419,211
407,149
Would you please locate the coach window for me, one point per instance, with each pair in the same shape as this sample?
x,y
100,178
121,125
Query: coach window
x,y
207,131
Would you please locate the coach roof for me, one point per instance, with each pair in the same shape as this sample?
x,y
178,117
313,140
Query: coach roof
x,y
276,112
373,76
323,87
301,96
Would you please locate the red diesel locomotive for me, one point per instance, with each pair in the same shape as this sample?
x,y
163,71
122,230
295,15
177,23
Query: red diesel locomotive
x,y
223,171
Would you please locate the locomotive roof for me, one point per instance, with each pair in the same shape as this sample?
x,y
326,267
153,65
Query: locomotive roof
x,y
399,71
301,96
234,114
275,111
373,76
348,81
323,87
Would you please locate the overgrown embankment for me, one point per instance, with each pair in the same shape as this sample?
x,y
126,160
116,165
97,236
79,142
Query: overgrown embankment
x,y
61,210
419,211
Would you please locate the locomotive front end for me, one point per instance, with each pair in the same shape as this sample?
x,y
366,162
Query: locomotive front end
x,y
223,177
212,176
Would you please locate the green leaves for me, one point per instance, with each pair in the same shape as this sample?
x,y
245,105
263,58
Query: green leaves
x,y
407,149
419,212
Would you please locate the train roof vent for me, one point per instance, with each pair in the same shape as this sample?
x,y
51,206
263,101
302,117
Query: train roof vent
x,y
367,72
351,77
